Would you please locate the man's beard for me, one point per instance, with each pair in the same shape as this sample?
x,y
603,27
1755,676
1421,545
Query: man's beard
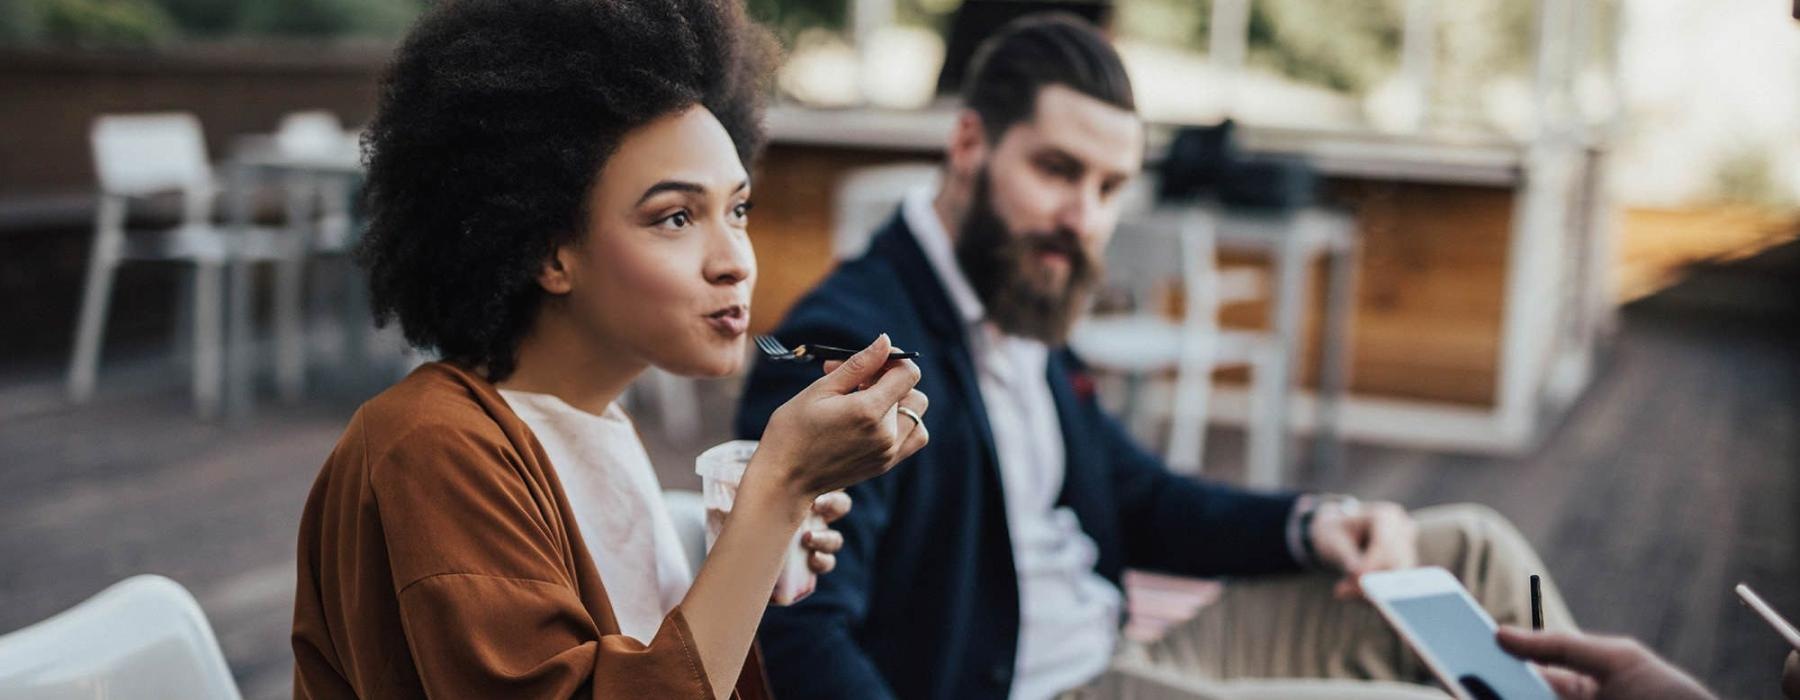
x,y
1021,296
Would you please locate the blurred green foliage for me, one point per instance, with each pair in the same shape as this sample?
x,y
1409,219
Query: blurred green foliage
x,y
325,18
86,22
17,21
1746,173
787,18
205,18
116,23
1346,45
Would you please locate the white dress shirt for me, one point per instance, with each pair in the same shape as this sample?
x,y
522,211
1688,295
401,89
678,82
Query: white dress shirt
x,y
618,506
1068,613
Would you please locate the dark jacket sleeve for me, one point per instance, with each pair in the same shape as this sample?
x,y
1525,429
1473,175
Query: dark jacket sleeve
x,y
1188,526
810,649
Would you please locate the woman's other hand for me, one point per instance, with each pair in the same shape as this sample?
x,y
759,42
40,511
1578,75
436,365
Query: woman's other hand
x,y
822,545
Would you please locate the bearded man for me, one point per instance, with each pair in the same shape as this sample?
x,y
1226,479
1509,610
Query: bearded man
x,y
988,565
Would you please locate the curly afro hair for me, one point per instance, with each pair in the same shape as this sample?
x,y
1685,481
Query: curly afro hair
x,y
494,119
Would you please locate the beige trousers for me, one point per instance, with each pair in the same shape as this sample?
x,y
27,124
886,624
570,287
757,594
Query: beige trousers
x,y
1287,637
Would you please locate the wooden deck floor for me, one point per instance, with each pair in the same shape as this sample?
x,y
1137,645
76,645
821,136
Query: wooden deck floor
x,y
1676,476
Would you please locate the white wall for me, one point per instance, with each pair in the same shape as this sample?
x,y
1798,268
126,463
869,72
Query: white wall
x,y
1703,80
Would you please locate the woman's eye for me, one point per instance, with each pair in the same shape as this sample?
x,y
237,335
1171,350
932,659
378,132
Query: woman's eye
x,y
742,211
677,220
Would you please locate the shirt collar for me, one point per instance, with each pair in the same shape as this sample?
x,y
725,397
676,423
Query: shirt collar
x,y
922,219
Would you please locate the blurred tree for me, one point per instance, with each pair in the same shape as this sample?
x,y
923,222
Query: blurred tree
x,y
1481,45
327,18
1180,23
1746,173
140,22
1346,45
930,14
204,17
102,22
19,21
787,18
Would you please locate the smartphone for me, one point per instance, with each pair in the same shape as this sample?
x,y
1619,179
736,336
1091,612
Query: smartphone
x,y
1769,615
1437,618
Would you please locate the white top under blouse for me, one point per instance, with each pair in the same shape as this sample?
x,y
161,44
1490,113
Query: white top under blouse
x,y
618,506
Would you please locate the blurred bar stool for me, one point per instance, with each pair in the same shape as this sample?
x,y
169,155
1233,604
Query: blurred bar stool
x,y
1295,240
1269,204
1211,197
1149,255
137,156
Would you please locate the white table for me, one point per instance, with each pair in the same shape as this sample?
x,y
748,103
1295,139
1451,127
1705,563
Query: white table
x,y
255,160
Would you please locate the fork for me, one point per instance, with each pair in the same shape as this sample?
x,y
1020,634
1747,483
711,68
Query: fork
x,y
774,350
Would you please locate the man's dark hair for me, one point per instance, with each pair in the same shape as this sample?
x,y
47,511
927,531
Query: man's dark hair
x,y
1034,52
494,120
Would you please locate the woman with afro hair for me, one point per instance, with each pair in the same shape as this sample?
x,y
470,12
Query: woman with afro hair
x,y
558,199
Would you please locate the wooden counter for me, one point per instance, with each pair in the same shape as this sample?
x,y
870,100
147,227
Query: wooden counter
x,y
1439,221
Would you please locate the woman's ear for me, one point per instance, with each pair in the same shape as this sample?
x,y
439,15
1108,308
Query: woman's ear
x,y
554,276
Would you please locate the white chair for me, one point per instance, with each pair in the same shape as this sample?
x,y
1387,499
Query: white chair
x,y
318,135
1147,254
318,212
137,156
143,637
866,197
689,514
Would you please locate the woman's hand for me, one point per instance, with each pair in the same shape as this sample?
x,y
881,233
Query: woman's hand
x,y
1591,667
823,544
1790,676
845,428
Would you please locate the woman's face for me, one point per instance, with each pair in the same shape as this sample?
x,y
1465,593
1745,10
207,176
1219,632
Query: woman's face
x,y
665,270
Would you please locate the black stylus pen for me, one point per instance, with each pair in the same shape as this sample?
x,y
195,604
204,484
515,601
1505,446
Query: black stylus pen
x,y
1537,603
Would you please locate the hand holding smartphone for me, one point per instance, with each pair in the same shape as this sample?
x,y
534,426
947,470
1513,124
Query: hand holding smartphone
x,y
1430,609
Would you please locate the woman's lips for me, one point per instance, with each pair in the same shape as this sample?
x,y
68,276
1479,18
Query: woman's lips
x,y
731,321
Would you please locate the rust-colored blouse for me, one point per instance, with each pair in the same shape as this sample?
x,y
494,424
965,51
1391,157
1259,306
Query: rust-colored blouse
x,y
438,557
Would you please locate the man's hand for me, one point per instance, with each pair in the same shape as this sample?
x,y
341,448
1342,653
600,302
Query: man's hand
x,y
1365,539
1790,676
1587,667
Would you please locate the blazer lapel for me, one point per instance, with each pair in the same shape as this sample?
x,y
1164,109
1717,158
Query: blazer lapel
x,y
1085,489
949,337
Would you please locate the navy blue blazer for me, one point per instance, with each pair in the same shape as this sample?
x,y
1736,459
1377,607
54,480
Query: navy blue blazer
x,y
924,602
